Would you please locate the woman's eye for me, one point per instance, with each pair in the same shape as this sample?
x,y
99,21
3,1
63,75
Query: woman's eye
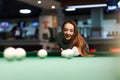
x,y
71,30
65,29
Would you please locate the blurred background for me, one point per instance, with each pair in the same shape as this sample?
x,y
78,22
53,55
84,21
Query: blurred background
x,y
33,24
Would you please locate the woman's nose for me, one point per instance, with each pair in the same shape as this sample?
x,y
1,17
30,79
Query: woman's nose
x,y
68,32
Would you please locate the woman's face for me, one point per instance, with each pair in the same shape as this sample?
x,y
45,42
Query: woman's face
x,y
68,31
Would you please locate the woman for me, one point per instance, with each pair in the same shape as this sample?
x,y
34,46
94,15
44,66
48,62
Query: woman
x,y
70,38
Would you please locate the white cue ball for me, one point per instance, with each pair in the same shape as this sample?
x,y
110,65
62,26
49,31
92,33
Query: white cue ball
x,y
75,50
42,53
9,53
68,53
20,53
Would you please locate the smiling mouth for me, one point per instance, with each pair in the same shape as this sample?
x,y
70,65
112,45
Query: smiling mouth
x,y
67,36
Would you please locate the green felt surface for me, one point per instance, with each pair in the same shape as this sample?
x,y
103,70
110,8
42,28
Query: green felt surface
x,y
59,68
55,67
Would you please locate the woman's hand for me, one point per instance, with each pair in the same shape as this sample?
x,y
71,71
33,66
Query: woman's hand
x,y
61,49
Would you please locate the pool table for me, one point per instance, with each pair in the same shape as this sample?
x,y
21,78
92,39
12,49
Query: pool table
x,y
59,68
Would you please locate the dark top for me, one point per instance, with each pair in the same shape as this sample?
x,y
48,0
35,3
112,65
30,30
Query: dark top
x,y
62,42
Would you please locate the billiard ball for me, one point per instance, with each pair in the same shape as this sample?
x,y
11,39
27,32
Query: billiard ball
x,y
9,53
68,53
20,53
75,50
42,53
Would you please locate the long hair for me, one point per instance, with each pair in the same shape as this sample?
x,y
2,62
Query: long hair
x,y
77,40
